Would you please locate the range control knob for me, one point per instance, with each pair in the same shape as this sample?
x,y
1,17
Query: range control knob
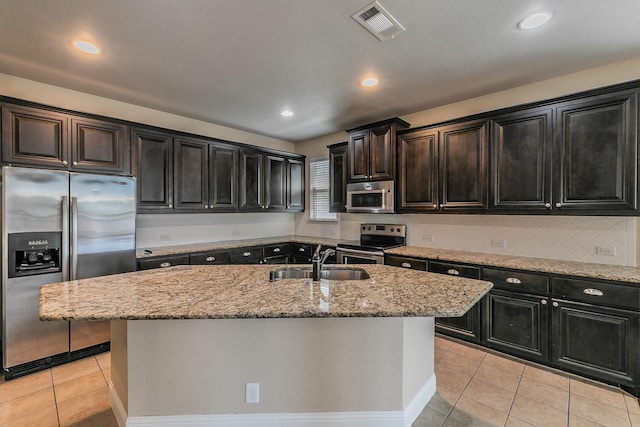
x,y
392,230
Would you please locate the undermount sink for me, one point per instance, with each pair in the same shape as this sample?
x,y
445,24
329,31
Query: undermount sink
x,y
345,273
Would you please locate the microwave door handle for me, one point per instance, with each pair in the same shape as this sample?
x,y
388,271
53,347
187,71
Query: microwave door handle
x,y
384,197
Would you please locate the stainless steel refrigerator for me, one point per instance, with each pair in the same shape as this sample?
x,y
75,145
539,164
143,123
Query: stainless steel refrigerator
x,y
58,226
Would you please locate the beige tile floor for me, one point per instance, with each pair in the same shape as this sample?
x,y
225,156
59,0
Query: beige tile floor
x,y
475,388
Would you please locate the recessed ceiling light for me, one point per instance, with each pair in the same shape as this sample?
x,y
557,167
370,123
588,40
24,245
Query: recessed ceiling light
x,y
287,113
370,81
86,47
534,21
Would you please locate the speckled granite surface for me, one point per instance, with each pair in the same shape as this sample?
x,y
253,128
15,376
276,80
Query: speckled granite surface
x,y
228,244
592,270
244,291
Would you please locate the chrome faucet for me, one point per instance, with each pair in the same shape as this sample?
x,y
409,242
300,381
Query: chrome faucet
x,y
318,259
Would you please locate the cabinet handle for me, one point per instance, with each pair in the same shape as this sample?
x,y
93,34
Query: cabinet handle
x,y
246,254
558,205
441,205
453,272
301,250
406,265
210,258
513,281
165,265
75,163
276,250
593,292
65,163
547,205
435,206
555,304
543,302
206,206
170,206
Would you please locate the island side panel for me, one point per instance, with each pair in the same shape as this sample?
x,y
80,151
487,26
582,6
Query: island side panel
x,y
181,367
418,360
119,369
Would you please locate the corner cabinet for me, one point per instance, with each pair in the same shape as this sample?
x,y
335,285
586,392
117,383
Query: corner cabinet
x,y
270,182
38,137
338,175
372,151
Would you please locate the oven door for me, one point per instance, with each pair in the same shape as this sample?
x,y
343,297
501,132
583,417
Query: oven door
x,y
352,256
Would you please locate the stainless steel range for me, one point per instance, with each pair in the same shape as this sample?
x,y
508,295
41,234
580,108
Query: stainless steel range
x,y
374,239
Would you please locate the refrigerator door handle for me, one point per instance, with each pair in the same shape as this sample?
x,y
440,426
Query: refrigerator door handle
x,y
65,238
74,238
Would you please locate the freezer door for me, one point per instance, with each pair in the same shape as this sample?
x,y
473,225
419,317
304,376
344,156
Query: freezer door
x,y
103,215
32,201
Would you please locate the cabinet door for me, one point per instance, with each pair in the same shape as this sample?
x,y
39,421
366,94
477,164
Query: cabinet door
x,y
521,160
466,327
596,341
191,174
418,171
338,178
597,153
251,189
223,177
99,146
517,324
381,154
275,183
246,255
34,137
463,166
359,156
163,262
153,164
295,185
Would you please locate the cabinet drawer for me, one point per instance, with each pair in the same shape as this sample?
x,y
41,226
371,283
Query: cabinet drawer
x,y
517,281
162,262
301,253
277,250
412,263
454,269
600,293
210,258
246,255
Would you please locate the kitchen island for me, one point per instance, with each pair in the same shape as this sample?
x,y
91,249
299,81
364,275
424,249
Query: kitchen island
x,y
186,340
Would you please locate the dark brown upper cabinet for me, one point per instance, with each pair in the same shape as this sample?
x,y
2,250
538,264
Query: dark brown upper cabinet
x,y
153,168
223,177
596,153
521,146
191,174
295,185
39,137
270,182
371,150
338,175
463,155
417,189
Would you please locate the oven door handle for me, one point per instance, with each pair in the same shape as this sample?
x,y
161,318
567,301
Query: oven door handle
x,y
357,252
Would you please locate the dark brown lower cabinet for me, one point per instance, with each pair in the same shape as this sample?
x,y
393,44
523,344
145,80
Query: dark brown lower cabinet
x,y
467,327
597,342
517,324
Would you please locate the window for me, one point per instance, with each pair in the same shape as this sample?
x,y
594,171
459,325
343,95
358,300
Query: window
x,y
320,191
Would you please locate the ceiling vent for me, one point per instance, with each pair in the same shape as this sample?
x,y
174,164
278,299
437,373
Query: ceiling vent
x,y
378,21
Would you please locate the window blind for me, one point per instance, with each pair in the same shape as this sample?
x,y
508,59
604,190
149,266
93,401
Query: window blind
x,y
319,202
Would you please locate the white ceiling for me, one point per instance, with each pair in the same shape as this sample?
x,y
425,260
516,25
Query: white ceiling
x,y
238,63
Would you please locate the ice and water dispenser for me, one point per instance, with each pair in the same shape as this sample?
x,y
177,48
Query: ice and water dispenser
x,y
34,253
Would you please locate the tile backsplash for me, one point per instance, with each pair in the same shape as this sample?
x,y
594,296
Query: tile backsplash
x,y
605,240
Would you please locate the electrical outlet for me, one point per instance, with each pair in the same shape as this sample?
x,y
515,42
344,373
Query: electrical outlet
x,y
165,236
601,250
499,243
427,238
252,393
235,233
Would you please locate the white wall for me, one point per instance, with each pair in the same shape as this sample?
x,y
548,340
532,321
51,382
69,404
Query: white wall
x,y
565,238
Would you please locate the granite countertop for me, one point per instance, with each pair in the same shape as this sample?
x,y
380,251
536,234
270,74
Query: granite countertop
x,y
542,265
244,291
230,244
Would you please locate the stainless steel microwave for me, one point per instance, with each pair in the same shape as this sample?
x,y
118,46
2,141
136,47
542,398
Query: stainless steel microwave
x,y
370,197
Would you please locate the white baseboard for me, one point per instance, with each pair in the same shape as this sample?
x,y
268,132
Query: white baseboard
x,y
310,419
